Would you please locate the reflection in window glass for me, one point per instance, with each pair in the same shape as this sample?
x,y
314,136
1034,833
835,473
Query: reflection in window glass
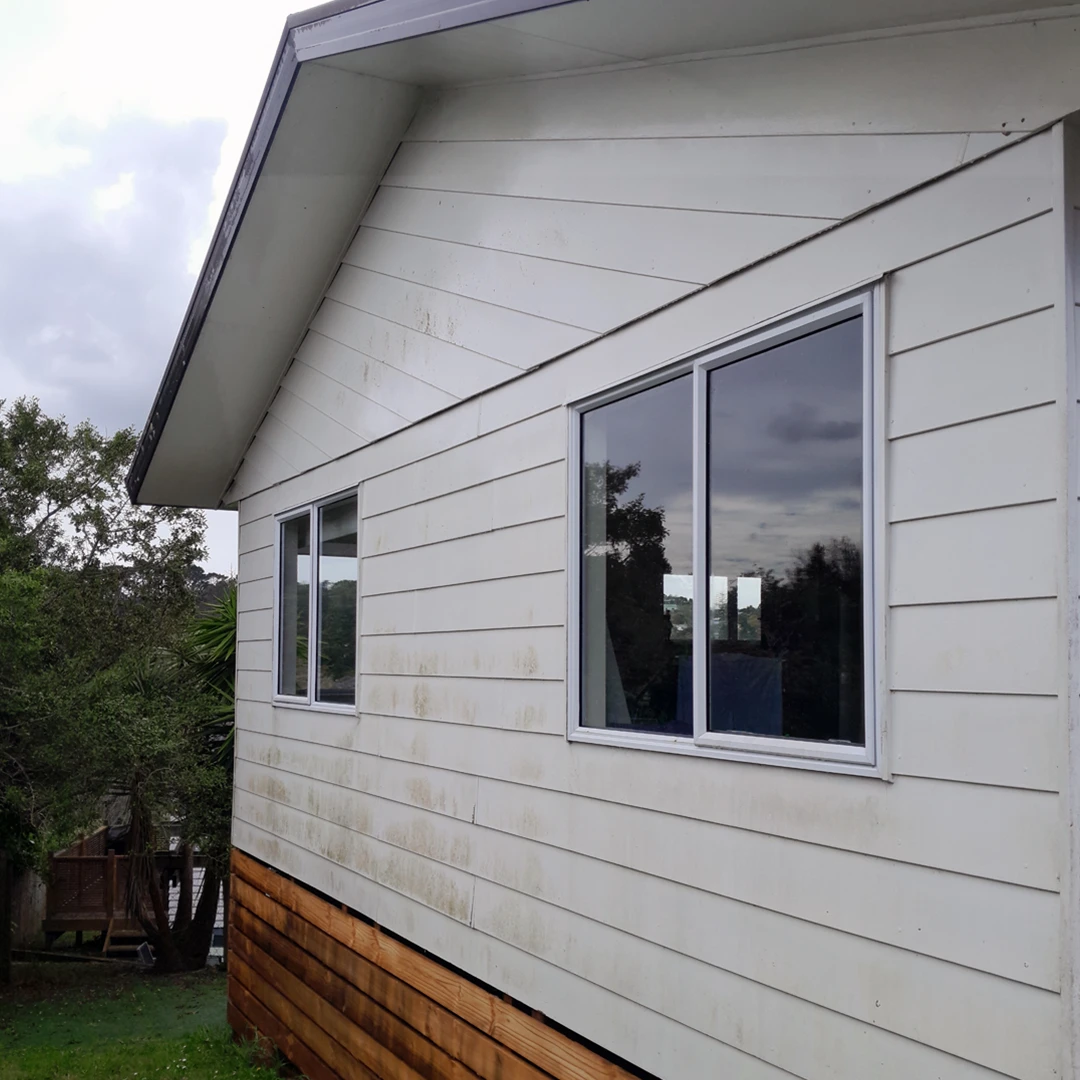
x,y
294,601
785,539
636,570
337,603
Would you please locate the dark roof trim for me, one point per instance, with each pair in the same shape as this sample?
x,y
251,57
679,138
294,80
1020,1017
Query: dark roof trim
x,y
336,27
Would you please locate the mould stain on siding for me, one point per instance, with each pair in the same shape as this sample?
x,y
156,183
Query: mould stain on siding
x,y
421,794
513,923
526,662
422,881
426,838
420,700
529,718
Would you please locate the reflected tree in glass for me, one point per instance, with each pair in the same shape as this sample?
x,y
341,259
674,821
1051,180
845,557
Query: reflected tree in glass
x,y
637,618
338,551
295,592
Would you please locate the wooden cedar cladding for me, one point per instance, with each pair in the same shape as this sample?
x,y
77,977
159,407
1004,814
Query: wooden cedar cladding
x,y
342,999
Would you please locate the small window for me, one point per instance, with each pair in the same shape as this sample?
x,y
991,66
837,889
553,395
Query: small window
x,y
318,544
723,551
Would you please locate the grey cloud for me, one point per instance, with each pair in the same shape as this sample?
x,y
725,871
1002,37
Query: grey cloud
x,y
90,301
801,424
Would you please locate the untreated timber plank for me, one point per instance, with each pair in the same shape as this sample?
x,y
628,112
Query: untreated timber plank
x,y
384,1027
534,1040
263,1048
278,1032
369,1053
475,1049
242,1027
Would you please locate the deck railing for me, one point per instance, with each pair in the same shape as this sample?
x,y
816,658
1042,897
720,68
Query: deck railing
x,y
86,886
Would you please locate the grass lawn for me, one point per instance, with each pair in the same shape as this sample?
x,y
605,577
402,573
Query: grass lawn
x,y
85,1021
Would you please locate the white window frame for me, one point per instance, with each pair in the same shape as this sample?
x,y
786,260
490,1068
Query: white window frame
x,y
866,760
311,511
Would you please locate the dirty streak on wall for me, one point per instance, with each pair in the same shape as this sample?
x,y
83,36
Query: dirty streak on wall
x,y
698,917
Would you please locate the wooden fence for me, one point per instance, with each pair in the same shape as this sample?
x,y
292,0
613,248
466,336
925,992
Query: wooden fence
x,y
343,1000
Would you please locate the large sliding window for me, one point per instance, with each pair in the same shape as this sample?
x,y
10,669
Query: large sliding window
x,y
318,563
723,551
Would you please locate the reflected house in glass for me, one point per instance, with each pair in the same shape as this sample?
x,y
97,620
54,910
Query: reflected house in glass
x,y
651,427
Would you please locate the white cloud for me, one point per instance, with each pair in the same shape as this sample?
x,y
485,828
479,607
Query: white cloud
x,y
74,77
115,196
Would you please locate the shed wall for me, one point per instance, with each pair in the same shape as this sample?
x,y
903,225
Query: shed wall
x,y
521,221
699,917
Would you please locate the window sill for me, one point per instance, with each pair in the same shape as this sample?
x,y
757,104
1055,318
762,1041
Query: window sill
x,y
851,761
313,706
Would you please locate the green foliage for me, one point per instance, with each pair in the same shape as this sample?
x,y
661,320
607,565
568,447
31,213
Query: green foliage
x,y
63,503
207,657
337,615
106,689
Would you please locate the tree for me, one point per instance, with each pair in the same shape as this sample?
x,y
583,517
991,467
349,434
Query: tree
x,y
624,540
337,614
109,685
172,717
85,579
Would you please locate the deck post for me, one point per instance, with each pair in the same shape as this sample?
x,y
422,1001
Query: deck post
x,y
110,883
79,874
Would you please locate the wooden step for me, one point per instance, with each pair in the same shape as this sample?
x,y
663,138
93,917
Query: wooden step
x,y
121,939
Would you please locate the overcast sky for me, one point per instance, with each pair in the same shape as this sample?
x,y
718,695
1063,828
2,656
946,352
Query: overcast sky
x,y
121,124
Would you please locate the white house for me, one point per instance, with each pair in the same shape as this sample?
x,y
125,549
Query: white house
x,y
675,403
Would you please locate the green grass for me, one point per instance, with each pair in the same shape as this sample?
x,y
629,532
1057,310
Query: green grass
x,y
112,1022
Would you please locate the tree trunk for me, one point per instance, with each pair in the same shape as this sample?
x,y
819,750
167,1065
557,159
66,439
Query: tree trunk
x,y
144,884
159,932
6,881
196,941
187,888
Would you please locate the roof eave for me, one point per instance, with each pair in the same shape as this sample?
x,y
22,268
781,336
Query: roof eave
x,y
327,30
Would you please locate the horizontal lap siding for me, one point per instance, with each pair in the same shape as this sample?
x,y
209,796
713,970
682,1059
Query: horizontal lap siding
x,y
896,989
738,868
494,245
527,600
617,1020
793,176
451,810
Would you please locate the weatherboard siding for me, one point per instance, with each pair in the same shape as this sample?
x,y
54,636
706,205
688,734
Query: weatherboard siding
x,y
515,225
703,917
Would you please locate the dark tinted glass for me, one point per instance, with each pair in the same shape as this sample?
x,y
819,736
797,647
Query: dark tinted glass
x,y
337,602
637,626
293,616
785,539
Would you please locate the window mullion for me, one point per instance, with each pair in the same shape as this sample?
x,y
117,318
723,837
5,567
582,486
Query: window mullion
x,y
313,605
700,551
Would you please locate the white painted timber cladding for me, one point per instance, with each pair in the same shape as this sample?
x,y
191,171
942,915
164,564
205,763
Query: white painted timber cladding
x,y
699,917
516,224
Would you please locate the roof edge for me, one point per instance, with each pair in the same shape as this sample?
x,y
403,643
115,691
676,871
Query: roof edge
x,y
327,30
271,106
